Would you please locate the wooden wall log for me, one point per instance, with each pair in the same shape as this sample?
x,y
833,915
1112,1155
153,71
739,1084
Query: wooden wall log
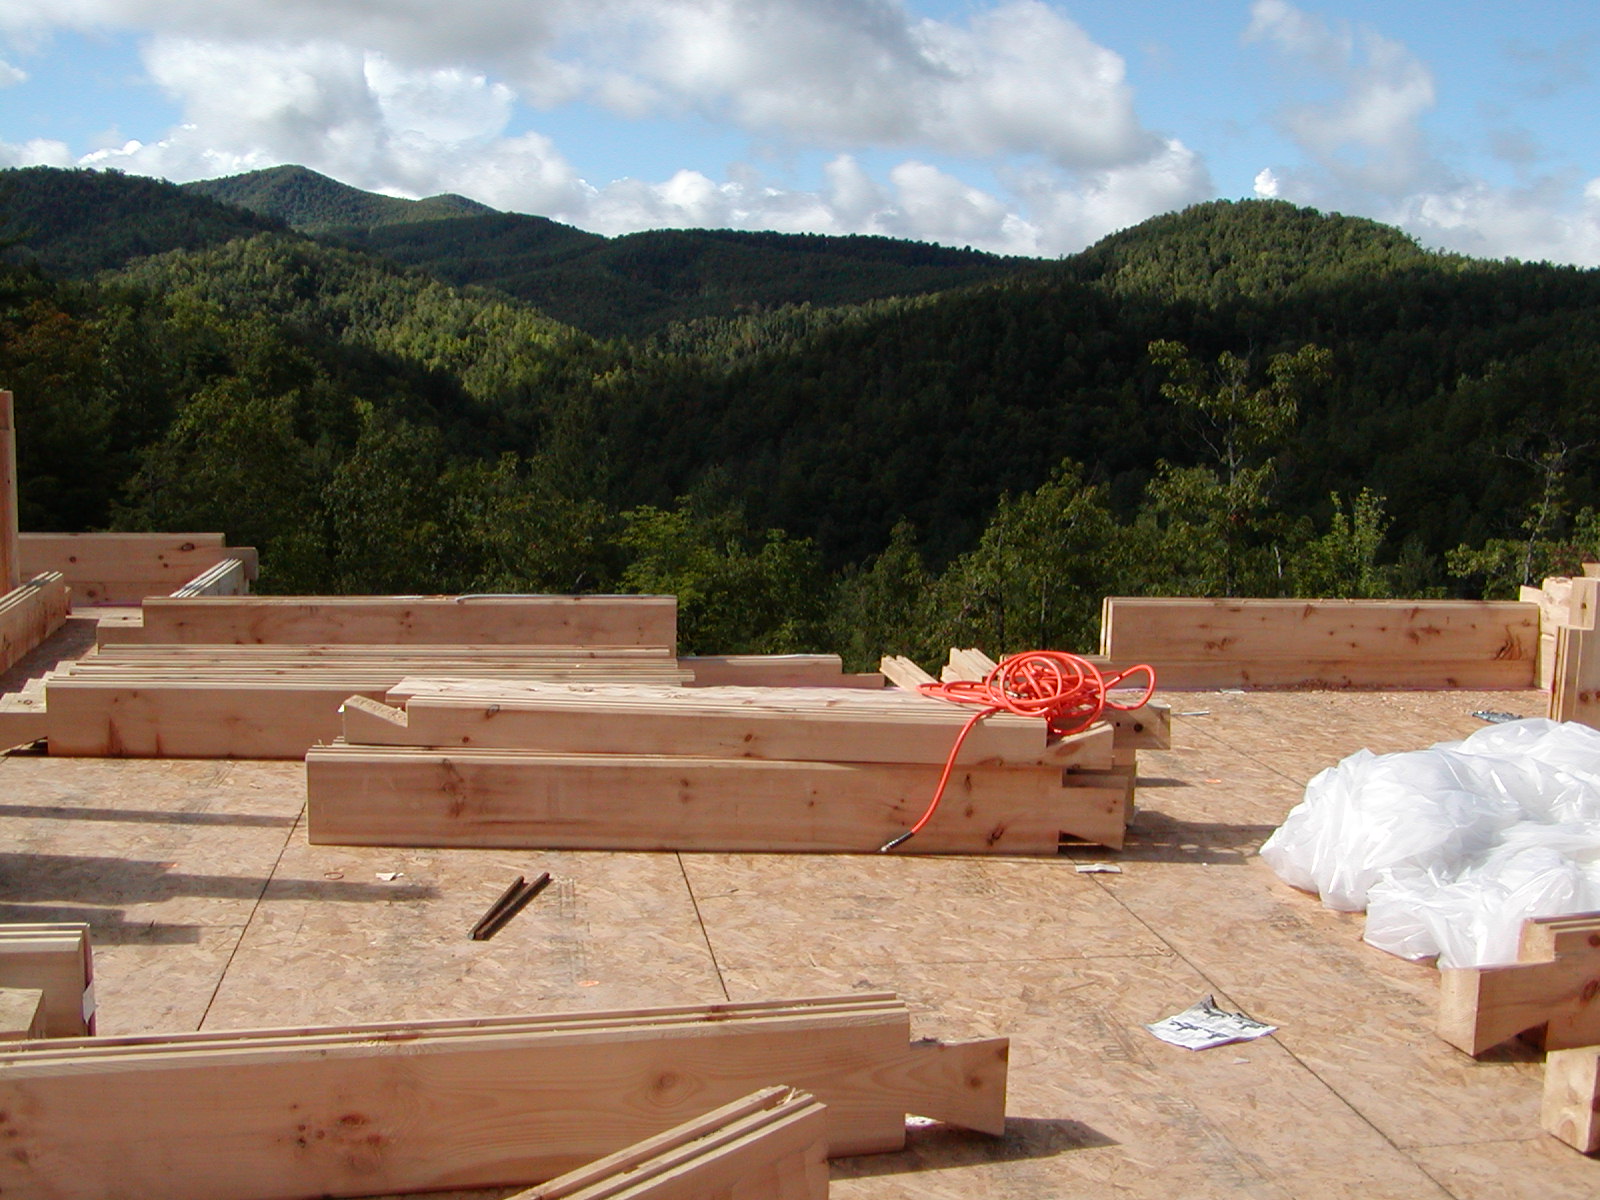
x,y
1203,643
125,568
594,621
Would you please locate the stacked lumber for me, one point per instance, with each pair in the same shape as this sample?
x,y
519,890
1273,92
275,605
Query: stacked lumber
x,y
770,1145
492,1102
31,613
227,701
607,622
55,960
550,765
1553,991
124,568
1202,643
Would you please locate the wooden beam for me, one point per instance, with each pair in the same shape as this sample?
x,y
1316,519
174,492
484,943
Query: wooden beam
x,y
31,613
125,568
1555,984
396,796
803,724
593,621
449,1105
10,553
1204,643
54,958
903,673
774,670
771,1144
1570,1106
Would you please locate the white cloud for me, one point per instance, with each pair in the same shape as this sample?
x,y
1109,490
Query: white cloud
x,y
1369,135
1018,79
391,98
1534,224
1367,150
10,76
37,152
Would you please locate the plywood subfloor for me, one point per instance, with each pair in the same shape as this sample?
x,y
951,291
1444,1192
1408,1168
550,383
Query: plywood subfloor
x,y
211,910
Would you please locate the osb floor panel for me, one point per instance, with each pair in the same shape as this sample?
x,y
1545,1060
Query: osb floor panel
x,y
210,910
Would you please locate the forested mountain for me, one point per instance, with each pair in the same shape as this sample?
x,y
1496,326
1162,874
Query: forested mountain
x,y
313,203
1243,398
80,222
626,286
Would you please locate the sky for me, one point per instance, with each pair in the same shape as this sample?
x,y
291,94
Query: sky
x,y
1017,126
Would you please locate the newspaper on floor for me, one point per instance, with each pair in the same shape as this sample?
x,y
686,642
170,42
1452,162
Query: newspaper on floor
x,y
1204,1025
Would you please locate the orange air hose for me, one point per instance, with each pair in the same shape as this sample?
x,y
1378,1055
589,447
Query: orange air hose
x,y
1067,691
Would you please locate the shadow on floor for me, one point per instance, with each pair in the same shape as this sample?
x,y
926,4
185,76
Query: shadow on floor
x,y
113,882
936,1147
69,812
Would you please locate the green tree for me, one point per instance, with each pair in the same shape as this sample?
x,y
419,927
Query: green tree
x,y
1038,574
739,591
1211,528
885,607
1551,542
1344,560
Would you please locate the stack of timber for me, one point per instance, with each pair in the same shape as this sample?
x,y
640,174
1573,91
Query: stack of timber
x,y
125,568
547,765
771,1145
248,677
1421,644
1553,993
275,702
55,960
492,1102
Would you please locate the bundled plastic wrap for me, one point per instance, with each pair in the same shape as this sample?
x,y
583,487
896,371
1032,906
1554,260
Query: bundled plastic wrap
x,y
1448,849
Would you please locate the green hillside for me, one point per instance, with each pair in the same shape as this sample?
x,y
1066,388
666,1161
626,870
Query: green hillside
x,y
628,286
79,222
637,284
313,203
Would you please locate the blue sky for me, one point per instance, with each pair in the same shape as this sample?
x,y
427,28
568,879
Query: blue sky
x,y
1023,126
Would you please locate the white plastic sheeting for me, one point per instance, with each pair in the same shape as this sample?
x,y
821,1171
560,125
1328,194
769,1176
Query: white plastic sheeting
x,y
1448,849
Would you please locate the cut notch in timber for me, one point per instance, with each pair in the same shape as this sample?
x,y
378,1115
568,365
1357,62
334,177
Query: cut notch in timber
x,y
1555,986
54,958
